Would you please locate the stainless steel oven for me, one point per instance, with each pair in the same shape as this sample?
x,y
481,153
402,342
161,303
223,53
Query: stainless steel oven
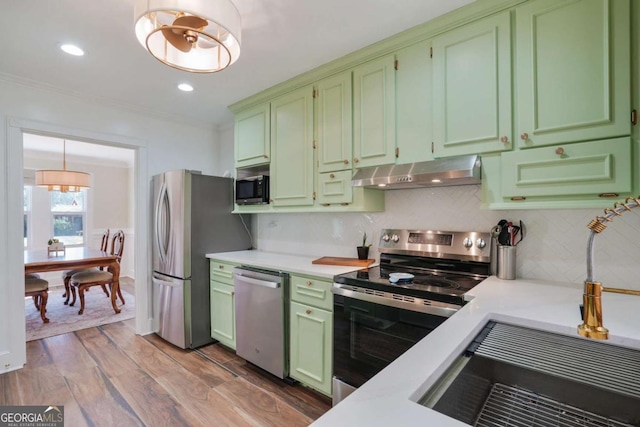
x,y
381,312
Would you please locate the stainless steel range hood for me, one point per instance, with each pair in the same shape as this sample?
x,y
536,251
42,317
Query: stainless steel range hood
x,y
462,170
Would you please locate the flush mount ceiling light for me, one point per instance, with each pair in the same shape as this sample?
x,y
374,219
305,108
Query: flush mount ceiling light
x,y
185,87
200,36
63,180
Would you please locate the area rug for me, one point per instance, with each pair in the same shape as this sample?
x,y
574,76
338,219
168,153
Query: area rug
x,y
63,319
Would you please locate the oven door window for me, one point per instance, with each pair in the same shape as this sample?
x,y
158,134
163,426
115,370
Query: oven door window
x,y
369,336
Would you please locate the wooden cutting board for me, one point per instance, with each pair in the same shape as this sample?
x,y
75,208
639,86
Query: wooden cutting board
x,y
332,260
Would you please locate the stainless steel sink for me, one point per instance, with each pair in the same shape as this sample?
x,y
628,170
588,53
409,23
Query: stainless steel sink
x,y
514,376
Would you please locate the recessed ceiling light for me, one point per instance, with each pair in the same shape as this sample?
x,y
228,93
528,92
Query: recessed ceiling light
x,y
185,87
72,49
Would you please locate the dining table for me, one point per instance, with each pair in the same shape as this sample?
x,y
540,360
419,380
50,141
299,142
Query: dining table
x,y
41,260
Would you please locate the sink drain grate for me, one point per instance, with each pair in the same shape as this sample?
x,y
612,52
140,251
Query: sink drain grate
x,y
510,406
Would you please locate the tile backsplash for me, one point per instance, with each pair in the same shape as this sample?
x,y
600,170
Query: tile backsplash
x,y
554,247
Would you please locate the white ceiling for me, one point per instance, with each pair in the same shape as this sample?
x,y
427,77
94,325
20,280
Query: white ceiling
x,y
280,39
48,147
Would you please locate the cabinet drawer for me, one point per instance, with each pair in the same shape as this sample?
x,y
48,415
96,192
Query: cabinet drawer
x,y
222,271
312,291
335,187
588,168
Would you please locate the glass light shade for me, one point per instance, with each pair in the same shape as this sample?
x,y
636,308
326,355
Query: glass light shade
x,y
63,180
210,48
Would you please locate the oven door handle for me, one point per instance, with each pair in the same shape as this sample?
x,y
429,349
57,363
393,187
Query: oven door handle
x,y
420,305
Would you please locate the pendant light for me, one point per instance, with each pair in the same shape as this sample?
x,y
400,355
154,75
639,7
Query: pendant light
x,y
63,180
200,36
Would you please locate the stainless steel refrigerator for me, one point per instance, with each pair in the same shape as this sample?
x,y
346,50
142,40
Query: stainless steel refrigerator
x,y
191,217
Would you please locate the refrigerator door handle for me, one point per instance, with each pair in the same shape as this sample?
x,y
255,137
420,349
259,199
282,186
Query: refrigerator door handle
x,y
163,219
162,280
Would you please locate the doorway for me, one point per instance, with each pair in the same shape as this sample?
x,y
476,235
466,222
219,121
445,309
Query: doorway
x,y
78,218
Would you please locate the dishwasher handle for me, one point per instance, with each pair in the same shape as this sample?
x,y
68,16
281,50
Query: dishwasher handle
x,y
258,282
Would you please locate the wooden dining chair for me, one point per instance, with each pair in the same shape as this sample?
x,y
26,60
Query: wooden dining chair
x,y
86,279
38,289
66,275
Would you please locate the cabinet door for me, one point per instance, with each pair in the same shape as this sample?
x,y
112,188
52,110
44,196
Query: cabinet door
x,y
573,72
252,136
223,316
374,113
587,168
335,188
414,129
292,148
311,346
334,138
472,88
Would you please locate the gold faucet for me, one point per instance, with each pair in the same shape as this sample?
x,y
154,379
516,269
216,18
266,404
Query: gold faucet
x,y
592,326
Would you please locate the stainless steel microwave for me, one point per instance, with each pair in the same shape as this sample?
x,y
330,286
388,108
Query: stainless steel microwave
x,y
253,190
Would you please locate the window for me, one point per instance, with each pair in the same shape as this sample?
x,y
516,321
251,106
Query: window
x,y
27,213
68,213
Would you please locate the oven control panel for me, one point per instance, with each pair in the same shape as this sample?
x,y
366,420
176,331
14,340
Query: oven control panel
x,y
442,244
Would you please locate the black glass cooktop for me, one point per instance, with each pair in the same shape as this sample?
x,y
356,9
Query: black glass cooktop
x,y
435,282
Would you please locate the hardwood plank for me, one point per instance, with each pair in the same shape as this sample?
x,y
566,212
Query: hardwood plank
x,y
60,397
206,370
307,401
9,391
68,353
38,354
200,399
109,357
262,406
120,334
218,352
38,383
152,403
99,400
147,356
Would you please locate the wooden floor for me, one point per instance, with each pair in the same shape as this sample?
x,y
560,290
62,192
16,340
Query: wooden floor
x,y
109,376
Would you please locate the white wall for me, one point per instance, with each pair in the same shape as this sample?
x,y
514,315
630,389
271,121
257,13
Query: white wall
x,y
160,144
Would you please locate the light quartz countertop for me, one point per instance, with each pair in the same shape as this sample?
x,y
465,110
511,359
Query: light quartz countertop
x,y
389,398
290,263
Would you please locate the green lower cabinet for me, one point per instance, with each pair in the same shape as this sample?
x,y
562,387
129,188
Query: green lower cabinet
x,y
311,344
223,318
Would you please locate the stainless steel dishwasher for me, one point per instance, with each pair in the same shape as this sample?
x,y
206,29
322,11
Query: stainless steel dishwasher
x,y
262,318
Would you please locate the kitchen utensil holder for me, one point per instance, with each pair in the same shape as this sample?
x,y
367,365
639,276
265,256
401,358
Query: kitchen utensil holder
x,y
506,262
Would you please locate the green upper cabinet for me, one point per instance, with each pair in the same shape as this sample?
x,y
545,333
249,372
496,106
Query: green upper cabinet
x,y
414,101
573,71
334,138
374,112
472,88
292,148
252,136
334,187
595,169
